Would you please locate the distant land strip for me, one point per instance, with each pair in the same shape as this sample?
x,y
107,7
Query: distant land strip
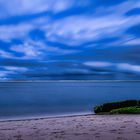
x,y
68,81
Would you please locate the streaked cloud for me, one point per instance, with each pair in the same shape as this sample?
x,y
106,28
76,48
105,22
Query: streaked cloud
x,y
98,64
122,67
69,39
25,7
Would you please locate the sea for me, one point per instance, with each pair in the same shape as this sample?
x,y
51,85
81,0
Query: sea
x,y
28,99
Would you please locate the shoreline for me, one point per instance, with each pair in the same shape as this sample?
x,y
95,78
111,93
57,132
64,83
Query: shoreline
x,y
83,127
62,117
16,119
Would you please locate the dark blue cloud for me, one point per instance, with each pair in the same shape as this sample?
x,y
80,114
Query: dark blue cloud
x,y
37,34
70,40
133,12
108,2
135,30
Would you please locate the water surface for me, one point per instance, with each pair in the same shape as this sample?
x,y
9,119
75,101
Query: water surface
x,y
26,99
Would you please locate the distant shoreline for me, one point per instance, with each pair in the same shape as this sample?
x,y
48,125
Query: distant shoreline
x,y
67,81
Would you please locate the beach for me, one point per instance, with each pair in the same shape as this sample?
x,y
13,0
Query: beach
x,y
84,127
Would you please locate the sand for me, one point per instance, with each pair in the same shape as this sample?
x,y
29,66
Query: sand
x,y
87,127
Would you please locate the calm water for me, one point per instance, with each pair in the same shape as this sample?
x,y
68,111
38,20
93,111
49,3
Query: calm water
x,y
27,99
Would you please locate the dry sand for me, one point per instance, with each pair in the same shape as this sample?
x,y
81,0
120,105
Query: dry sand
x,y
87,127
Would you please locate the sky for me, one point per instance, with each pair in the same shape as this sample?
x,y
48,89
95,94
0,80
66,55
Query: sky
x,y
70,40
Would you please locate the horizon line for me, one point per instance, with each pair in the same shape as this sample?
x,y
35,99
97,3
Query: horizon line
x,y
68,81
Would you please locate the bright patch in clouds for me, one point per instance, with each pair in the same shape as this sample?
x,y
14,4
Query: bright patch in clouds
x,y
98,64
25,7
116,66
129,67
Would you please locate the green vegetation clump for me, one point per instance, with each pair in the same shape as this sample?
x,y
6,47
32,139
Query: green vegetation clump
x,y
126,110
108,107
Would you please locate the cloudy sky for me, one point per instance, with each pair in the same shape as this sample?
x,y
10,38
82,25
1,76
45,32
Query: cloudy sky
x,y
70,40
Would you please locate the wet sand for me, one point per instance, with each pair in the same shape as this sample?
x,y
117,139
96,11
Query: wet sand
x,y
86,127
